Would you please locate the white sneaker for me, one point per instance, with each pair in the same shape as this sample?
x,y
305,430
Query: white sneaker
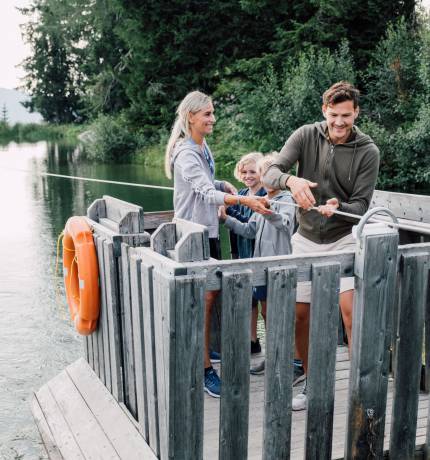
x,y
300,401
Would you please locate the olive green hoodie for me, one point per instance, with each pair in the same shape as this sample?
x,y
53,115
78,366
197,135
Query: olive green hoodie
x,y
347,172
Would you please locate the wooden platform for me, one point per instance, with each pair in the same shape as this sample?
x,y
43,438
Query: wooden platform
x,y
79,419
255,441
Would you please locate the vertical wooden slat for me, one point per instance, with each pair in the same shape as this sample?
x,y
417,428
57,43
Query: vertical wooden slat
x,y
112,301
427,340
371,338
138,344
409,356
281,311
164,322
127,334
89,341
323,330
96,358
150,355
235,339
189,367
100,345
104,318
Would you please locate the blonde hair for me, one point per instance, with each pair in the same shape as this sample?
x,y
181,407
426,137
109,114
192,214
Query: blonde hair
x,y
252,157
264,163
192,103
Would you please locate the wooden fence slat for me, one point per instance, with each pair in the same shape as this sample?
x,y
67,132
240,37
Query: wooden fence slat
x,y
148,333
164,321
189,367
104,316
164,238
322,360
95,339
138,345
409,356
281,311
371,334
235,339
112,298
100,332
127,334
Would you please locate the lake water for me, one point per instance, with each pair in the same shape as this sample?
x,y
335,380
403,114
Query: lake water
x,y
37,339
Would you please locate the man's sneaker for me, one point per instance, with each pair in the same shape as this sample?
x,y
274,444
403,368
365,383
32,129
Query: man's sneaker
x,y
215,357
299,374
212,383
300,401
259,368
255,347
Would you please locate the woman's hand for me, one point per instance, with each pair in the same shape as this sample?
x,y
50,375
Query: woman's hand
x,y
258,204
329,207
222,215
229,188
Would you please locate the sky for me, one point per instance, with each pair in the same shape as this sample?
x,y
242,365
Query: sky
x,y
12,48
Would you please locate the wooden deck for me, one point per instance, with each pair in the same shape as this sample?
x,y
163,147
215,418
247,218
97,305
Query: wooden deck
x,y
211,420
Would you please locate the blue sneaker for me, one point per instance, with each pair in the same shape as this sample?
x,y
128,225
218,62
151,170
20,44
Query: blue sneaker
x,y
212,383
215,357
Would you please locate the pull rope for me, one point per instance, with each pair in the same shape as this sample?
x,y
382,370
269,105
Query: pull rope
x,y
407,227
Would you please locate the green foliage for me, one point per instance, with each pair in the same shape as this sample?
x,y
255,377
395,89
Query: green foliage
x,y
32,132
110,140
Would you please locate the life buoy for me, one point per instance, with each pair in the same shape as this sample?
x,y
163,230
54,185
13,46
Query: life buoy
x,y
81,275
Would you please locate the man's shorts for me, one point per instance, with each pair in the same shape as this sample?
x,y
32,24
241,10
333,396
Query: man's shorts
x,y
302,245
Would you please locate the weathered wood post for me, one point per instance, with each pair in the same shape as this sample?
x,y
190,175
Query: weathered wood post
x,y
375,270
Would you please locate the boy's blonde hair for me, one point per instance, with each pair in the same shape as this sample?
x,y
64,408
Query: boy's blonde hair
x,y
252,157
264,163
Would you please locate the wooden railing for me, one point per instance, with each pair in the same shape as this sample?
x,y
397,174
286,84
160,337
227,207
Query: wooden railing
x,y
148,349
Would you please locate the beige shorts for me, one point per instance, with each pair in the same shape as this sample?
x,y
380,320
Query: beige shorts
x,y
302,245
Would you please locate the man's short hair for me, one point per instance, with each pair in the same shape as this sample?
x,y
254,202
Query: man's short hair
x,y
340,92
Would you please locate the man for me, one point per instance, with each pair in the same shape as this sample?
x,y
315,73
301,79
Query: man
x,y
337,170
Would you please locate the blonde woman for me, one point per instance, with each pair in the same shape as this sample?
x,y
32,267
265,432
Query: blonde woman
x,y
197,195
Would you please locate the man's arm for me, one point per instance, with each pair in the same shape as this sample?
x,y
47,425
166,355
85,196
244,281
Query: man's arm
x,y
278,177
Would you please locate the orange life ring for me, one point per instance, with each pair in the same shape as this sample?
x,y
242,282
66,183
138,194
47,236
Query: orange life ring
x,y
81,275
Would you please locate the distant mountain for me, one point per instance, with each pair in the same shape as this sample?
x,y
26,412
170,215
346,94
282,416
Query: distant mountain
x,y
16,112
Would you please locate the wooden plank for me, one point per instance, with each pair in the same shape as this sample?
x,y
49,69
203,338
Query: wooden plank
x,y
189,248
44,431
127,334
104,317
58,427
110,224
164,322
91,438
86,350
404,205
188,394
281,311
235,339
96,359
148,333
164,239
122,433
372,323
96,210
129,216
427,338
139,345
100,331
322,359
112,300
409,356
154,219
184,227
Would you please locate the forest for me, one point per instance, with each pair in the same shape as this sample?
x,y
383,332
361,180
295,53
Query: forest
x,y
119,68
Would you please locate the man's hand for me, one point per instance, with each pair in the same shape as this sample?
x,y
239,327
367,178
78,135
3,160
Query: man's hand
x,y
229,188
329,207
222,215
258,204
301,191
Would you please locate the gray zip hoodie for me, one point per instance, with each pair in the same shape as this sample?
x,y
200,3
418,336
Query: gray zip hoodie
x,y
272,232
197,194
346,171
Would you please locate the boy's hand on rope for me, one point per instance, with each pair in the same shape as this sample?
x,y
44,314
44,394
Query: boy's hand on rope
x,y
328,209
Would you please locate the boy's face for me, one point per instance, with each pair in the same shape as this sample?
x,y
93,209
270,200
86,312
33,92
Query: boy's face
x,y
250,175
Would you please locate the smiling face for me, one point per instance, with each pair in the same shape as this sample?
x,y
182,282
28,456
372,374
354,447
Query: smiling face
x,y
340,119
202,122
249,175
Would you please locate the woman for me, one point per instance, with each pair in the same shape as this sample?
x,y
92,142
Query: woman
x,y
198,195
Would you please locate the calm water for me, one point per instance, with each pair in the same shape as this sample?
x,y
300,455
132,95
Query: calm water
x,y
36,336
